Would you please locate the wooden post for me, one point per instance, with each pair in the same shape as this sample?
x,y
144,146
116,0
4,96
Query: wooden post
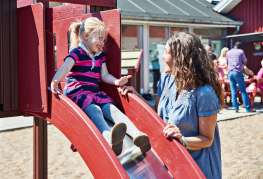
x,y
40,170
40,149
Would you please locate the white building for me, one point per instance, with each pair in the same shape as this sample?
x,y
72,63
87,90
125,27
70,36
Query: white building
x,y
147,24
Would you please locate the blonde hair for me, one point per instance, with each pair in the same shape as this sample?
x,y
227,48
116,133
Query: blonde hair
x,y
82,29
223,52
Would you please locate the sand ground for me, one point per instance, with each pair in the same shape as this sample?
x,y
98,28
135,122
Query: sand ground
x,y
241,140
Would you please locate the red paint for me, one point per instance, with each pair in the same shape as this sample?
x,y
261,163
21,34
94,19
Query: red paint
x,y
104,3
31,59
250,13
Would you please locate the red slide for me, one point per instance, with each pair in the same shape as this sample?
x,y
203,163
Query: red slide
x,y
167,159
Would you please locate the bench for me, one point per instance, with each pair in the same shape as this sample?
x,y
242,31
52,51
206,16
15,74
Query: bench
x,y
255,92
130,65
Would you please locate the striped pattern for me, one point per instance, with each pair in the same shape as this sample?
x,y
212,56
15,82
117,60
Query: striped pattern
x,y
82,82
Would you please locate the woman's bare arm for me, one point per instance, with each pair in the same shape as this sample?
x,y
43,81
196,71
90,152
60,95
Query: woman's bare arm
x,y
205,139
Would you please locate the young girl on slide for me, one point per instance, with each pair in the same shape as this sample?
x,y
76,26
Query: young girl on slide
x,y
84,67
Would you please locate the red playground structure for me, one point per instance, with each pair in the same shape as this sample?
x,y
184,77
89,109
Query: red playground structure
x,y
42,33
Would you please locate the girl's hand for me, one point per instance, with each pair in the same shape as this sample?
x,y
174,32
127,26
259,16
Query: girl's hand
x,y
172,131
54,87
124,90
123,80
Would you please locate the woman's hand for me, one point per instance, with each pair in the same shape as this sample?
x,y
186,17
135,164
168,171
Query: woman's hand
x,y
172,131
54,87
124,90
123,80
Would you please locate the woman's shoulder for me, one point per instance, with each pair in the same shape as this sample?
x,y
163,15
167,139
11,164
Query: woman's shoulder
x,y
205,90
207,101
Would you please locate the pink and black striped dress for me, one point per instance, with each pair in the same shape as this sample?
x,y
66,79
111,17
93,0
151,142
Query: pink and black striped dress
x,y
82,82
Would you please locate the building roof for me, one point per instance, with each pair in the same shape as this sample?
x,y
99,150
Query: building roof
x,y
225,6
179,11
248,37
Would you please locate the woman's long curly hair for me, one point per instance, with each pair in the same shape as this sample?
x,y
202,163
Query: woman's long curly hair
x,y
191,65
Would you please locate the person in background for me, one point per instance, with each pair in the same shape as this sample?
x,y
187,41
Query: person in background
x,y
210,53
155,70
216,66
248,72
84,68
236,60
222,64
259,78
256,83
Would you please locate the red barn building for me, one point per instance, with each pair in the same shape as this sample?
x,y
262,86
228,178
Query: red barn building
x,y
251,32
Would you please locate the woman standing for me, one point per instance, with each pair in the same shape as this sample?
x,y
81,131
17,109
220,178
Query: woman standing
x,y
190,99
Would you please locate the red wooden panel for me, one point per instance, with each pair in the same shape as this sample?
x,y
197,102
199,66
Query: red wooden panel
x,y
31,59
13,57
174,155
68,11
8,59
4,56
104,3
250,12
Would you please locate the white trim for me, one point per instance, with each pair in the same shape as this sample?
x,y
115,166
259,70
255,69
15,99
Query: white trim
x,y
225,6
179,9
245,34
161,23
145,78
164,11
136,5
196,9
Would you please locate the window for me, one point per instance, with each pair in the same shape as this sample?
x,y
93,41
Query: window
x,y
130,37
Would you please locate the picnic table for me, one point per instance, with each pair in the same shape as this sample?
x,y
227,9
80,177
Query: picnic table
x,y
130,65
